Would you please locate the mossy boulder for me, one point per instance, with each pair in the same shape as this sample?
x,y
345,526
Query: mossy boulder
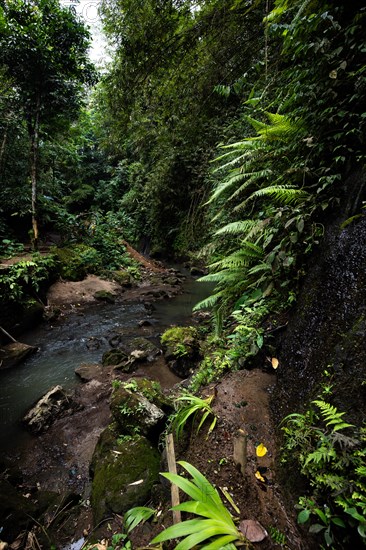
x,y
123,278
125,470
76,261
181,347
118,358
141,349
105,296
134,413
14,353
152,391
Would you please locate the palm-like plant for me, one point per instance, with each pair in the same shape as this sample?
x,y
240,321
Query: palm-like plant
x,y
191,407
214,525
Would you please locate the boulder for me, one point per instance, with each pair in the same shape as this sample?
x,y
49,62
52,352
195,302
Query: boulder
x,y
181,347
105,296
118,358
135,350
88,372
124,471
14,353
142,348
123,278
40,417
134,413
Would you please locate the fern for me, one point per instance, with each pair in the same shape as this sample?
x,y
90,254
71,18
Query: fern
x,y
332,417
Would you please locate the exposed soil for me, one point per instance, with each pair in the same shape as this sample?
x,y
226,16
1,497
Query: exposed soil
x,y
59,459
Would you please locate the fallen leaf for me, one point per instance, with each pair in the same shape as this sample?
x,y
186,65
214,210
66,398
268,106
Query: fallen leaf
x,y
261,450
274,362
259,476
136,482
253,530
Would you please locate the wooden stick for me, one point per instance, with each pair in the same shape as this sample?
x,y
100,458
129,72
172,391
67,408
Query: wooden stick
x,y
8,335
240,450
172,467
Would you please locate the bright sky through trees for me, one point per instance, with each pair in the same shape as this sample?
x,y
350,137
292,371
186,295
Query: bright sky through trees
x,y
88,10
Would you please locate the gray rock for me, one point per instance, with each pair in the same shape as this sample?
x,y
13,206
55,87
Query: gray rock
x,y
88,372
134,413
14,353
40,417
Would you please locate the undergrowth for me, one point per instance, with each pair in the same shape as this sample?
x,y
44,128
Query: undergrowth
x,y
330,453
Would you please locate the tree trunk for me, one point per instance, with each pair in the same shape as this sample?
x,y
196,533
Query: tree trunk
x,y
34,139
2,148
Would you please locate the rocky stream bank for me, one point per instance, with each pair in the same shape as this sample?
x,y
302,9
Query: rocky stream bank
x,y
95,450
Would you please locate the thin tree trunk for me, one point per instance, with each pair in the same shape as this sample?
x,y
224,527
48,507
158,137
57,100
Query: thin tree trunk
x,y
2,148
34,138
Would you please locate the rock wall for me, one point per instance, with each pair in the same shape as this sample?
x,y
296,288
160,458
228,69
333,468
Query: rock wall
x,y
326,330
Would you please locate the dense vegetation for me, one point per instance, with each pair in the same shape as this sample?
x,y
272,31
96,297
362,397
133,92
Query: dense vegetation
x,y
229,129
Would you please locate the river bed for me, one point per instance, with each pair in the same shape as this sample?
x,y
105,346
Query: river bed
x,y
81,337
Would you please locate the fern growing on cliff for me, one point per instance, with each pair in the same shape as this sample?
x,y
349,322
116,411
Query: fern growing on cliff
x,y
266,189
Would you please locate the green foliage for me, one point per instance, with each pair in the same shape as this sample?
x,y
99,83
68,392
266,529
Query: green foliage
x,y
26,277
262,182
333,462
188,408
106,234
132,518
214,526
76,261
9,248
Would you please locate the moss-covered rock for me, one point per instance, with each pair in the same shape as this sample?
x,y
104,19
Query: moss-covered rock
x,y
181,347
125,470
14,353
141,348
123,278
134,413
116,357
105,296
76,261
152,391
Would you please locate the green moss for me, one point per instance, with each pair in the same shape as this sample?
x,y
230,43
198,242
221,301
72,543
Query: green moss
x,y
180,340
117,468
122,277
151,390
76,261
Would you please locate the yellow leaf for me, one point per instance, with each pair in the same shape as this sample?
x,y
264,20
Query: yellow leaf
x,y
259,476
274,362
261,450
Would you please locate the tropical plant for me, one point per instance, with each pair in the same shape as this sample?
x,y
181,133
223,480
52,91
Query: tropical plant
x,y
132,518
25,278
191,407
333,462
262,182
214,526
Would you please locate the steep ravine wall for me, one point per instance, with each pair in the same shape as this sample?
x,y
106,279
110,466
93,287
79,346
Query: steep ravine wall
x,y
327,327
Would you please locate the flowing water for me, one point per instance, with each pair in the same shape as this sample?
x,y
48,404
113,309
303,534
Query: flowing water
x,y
71,342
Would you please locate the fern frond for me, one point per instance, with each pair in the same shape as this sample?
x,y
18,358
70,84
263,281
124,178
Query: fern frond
x,y
252,178
259,268
332,417
208,303
284,194
235,228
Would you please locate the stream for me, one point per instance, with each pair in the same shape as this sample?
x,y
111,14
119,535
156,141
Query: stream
x,y
81,337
